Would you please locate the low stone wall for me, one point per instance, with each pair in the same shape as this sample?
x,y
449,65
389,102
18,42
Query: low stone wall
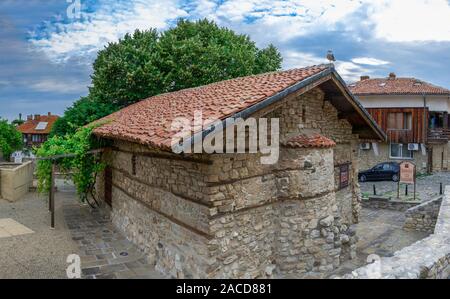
x,y
388,204
15,180
424,216
428,258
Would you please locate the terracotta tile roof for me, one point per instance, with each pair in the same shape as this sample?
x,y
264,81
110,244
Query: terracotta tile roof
x,y
149,121
29,126
309,141
396,86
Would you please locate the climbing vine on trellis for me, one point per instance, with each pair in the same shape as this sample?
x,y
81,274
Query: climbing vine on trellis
x,y
82,166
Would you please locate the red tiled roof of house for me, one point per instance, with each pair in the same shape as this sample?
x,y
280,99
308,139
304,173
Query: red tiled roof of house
x,y
309,141
396,86
29,126
149,121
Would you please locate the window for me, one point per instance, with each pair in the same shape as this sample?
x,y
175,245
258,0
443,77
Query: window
x,y
386,167
436,120
400,120
400,151
36,138
378,167
343,176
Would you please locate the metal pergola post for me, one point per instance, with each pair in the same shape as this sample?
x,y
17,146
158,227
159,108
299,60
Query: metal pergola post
x,y
52,195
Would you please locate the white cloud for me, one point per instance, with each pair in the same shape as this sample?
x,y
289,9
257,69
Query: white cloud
x,y
351,72
369,61
406,21
107,24
63,87
265,20
294,59
348,70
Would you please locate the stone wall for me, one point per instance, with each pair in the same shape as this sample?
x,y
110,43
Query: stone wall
x,y
423,217
388,204
428,258
15,180
229,216
368,159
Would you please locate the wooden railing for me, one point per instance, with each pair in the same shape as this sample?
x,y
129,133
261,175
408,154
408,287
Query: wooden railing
x,y
438,135
400,136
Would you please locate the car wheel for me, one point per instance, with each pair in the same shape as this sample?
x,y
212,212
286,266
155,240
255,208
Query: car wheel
x,y
395,177
362,178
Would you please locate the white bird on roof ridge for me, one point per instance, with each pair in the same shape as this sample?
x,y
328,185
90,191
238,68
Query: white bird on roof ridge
x,y
330,56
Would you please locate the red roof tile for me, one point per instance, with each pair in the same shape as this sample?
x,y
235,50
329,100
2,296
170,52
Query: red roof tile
x,y
149,121
29,126
396,86
309,141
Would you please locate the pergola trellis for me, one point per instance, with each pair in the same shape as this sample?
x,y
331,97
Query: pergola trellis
x,y
53,159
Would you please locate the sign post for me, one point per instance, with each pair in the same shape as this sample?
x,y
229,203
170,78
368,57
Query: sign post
x,y
407,176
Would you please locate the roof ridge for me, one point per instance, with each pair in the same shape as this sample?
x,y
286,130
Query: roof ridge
x,y
326,65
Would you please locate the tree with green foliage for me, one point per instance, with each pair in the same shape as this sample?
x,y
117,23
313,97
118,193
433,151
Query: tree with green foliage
x,y
83,111
149,63
17,122
10,139
198,53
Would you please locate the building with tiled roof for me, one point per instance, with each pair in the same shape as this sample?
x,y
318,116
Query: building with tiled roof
x,y
149,121
393,85
414,115
282,175
35,129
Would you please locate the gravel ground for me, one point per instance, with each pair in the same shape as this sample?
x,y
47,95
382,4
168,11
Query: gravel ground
x,y
427,187
43,253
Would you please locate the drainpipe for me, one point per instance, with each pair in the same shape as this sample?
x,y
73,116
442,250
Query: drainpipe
x,y
425,135
425,127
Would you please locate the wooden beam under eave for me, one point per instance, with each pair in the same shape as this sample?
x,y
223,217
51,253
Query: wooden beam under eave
x,y
364,133
346,114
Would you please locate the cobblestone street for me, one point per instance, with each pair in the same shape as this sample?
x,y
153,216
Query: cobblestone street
x,y
427,187
379,232
105,253
40,252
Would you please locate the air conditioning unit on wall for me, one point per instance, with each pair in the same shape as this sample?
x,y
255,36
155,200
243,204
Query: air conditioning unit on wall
x,y
364,146
413,146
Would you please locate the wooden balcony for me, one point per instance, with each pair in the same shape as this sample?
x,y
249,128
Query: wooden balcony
x,y
400,136
438,135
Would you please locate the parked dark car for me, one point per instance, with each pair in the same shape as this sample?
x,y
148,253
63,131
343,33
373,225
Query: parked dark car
x,y
388,171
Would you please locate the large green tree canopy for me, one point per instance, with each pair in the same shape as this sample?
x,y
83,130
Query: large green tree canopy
x,y
148,63
10,139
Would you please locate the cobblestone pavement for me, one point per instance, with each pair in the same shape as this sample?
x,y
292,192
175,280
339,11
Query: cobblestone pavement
x,y
427,187
104,252
380,232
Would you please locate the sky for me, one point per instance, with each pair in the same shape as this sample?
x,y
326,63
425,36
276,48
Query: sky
x,y
47,46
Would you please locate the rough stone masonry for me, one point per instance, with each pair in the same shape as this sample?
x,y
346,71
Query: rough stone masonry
x,y
229,216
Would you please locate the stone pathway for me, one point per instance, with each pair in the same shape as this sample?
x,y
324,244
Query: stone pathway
x,y
30,249
380,232
427,186
104,252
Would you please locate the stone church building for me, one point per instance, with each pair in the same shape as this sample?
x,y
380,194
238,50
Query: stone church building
x,y
225,215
